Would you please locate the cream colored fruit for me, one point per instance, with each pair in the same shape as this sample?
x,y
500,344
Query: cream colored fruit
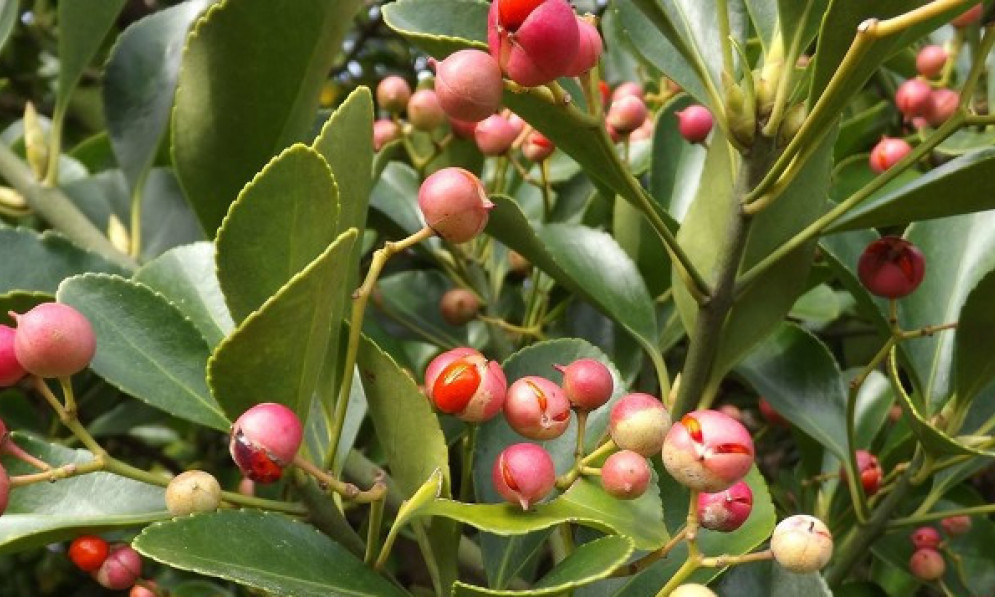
x,y
192,492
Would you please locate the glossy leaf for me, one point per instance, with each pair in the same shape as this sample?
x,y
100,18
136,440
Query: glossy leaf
x,y
281,221
412,297
588,563
294,326
874,400
959,252
145,346
975,361
799,21
276,53
586,261
307,563
677,165
61,258
764,16
44,513
439,27
929,195
186,276
82,29
768,578
139,82
797,374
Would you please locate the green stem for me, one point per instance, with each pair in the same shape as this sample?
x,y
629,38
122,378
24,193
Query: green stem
x,y
56,209
373,532
466,470
722,8
934,516
360,298
55,143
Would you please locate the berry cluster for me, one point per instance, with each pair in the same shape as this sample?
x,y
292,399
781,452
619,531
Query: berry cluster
x,y
115,567
927,562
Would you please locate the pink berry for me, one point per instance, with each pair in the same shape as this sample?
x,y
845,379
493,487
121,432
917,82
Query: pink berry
x,y
459,306
468,84
537,147
694,123
264,440
537,408
587,383
625,475
888,152
4,489
727,510
870,472
11,370
523,474
645,130
773,418
627,88
424,110
956,525
512,13
589,48
926,537
707,451
627,114
914,98
731,410
495,135
539,49
930,60
942,106
969,17
639,422
801,543
454,204
120,570
891,267
463,383
927,564
393,93
143,591
462,129
385,131
53,340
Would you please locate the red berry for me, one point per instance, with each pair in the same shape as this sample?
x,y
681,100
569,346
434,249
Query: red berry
x,y
627,114
523,474
385,131
708,451
537,408
930,60
461,129
626,89
926,537
942,105
888,152
120,570
625,475
425,113
727,510
463,383
891,267
956,525
459,306
11,370
454,204
541,48
773,418
927,564
589,48
587,383
914,98
53,340
393,93
639,422
969,17
264,440
537,147
694,123
468,84
512,13
88,552
870,472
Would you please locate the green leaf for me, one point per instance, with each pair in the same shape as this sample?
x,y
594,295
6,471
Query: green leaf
x,y
270,552
406,427
82,29
796,372
919,199
975,362
186,276
8,20
799,21
145,346
25,249
439,27
280,223
139,83
412,297
768,578
276,53
677,165
276,353
44,513
588,563
863,129
394,196
586,261
763,14
874,400
959,252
